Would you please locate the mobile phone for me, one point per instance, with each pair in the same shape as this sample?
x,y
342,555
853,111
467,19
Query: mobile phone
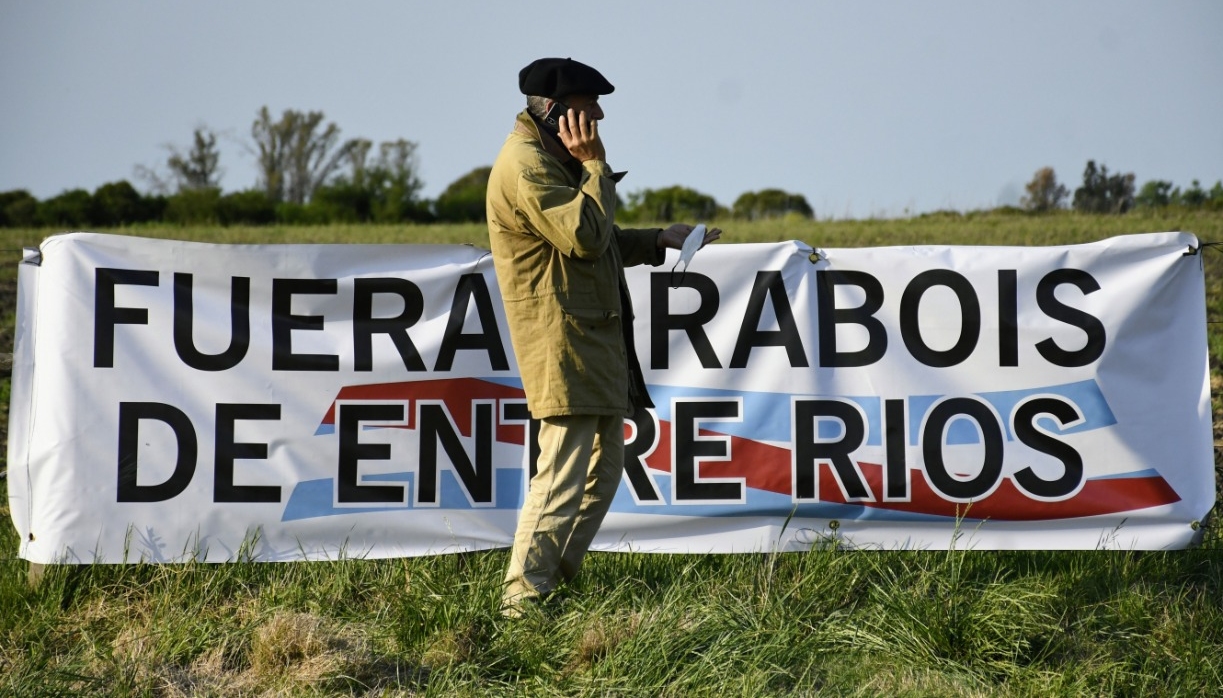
x,y
555,112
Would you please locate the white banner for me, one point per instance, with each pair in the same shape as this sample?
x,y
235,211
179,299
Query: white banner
x,y
175,400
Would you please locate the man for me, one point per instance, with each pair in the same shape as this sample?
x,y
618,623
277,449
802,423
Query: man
x,y
560,262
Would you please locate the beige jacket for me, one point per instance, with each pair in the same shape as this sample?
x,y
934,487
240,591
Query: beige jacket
x,y
560,262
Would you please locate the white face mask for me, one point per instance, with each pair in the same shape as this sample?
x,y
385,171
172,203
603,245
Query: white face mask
x,y
692,243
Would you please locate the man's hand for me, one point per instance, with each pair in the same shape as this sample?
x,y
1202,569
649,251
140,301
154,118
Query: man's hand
x,y
580,135
674,236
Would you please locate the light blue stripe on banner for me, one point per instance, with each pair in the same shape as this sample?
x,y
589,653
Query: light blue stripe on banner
x,y
313,499
766,416
760,503
1086,395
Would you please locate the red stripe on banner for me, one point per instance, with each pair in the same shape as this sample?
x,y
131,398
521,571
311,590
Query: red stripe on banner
x,y
762,466
767,467
457,394
1009,503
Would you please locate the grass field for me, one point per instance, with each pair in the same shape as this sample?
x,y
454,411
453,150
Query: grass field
x,y
825,622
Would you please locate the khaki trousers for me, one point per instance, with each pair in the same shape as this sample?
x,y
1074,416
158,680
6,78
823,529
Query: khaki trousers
x,y
580,463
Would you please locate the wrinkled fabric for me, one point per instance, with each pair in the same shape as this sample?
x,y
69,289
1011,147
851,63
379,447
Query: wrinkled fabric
x,y
580,462
560,261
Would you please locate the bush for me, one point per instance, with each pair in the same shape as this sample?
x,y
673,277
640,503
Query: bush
x,y
250,207
463,201
299,214
70,209
670,204
341,203
18,209
396,203
771,203
193,206
1193,197
118,203
1214,200
1156,193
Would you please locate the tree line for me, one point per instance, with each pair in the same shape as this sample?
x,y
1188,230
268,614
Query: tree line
x,y
1102,192
308,174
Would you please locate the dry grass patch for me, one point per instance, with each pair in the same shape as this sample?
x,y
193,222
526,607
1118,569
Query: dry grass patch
x,y
307,649
604,634
288,654
601,637
455,646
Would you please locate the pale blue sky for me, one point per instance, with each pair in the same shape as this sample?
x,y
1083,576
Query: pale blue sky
x,y
865,108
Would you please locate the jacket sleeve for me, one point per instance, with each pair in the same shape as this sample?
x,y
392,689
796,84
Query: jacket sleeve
x,y
640,246
577,221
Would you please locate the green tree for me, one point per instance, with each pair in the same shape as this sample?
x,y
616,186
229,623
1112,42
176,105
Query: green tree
x,y
1156,193
1193,197
463,200
70,208
1214,199
395,183
198,167
348,198
296,154
118,203
384,188
1045,193
669,204
18,209
1104,193
771,203
194,207
249,207
340,202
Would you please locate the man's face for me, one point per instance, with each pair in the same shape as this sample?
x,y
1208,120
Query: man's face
x,y
584,103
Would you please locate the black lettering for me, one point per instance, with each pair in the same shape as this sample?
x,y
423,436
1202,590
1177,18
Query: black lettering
x,y
690,449
130,416
475,475
227,451
284,322
1028,434
970,318
896,473
106,315
472,286
1008,317
770,285
349,418
933,436
864,315
239,325
1051,306
645,439
663,322
365,325
810,450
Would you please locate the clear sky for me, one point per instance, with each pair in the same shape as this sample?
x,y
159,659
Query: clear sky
x,y
865,108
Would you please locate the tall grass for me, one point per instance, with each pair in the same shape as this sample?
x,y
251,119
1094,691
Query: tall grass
x,y
847,623
828,621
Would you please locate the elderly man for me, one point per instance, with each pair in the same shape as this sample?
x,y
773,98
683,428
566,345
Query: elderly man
x,y
560,262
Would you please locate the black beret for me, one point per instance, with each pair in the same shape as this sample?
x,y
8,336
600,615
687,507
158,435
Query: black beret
x,y
555,78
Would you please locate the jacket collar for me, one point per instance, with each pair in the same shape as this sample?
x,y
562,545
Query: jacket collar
x,y
529,127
